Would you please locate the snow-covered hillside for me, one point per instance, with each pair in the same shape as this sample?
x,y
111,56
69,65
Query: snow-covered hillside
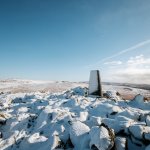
x,y
28,86
73,120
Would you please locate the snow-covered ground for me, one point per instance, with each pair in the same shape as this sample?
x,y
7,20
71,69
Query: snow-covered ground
x,y
70,119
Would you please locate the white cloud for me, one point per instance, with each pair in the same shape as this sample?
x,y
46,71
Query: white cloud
x,y
138,60
134,70
113,63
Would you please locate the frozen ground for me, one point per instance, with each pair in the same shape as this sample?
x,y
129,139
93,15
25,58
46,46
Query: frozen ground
x,y
59,115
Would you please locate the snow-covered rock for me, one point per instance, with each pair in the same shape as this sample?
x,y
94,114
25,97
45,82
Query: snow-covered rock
x,y
2,120
101,138
117,126
148,147
138,102
148,120
138,130
147,136
79,135
120,143
35,141
83,115
112,95
93,121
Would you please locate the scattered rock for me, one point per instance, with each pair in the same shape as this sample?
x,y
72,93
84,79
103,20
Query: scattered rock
x,y
101,138
1,135
138,102
138,130
83,115
147,120
55,142
18,100
136,141
68,144
120,143
81,91
94,121
3,119
36,141
134,144
147,136
119,126
79,135
1,93
112,95
148,147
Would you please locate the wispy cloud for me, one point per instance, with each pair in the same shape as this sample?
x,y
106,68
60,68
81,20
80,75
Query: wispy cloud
x,y
135,47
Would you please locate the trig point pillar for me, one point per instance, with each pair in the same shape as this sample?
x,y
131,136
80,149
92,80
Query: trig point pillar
x,y
95,87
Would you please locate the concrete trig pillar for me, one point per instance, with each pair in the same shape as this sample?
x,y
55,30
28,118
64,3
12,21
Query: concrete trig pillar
x,y
95,87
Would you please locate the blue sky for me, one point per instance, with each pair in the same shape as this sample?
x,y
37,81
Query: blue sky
x,y
65,39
